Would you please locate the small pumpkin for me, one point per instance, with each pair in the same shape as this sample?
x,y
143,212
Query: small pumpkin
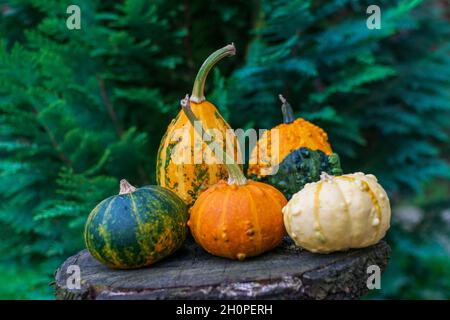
x,y
238,218
293,134
303,152
188,178
338,213
137,227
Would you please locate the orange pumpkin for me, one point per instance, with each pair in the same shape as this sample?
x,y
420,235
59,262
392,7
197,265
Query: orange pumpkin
x,y
292,134
187,178
238,221
237,218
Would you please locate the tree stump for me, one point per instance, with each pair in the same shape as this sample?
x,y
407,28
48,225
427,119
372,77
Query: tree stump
x,y
284,273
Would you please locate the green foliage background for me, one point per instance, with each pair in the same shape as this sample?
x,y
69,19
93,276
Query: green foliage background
x,y
81,109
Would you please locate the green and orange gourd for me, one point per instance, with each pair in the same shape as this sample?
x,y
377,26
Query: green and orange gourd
x,y
238,218
188,178
137,227
303,153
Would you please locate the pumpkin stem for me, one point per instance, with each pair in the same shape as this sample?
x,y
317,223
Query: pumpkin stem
x,y
325,176
199,83
235,174
126,187
286,109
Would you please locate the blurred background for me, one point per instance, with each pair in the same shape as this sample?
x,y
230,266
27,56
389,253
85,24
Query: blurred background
x,y
81,109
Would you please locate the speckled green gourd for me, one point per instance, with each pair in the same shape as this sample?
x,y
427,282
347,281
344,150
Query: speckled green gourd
x,y
301,167
136,228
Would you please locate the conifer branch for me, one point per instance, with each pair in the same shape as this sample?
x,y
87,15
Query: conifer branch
x,y
118,127
109,107
62,156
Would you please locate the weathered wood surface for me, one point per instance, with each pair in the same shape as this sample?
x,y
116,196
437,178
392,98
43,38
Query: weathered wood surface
x,y
284,273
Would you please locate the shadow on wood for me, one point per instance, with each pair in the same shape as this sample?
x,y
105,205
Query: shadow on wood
x,y
284,273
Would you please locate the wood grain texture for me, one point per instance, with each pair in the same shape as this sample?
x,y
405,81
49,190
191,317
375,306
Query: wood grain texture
x,y
284,273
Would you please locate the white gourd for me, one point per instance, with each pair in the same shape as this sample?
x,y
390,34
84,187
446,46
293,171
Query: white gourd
x,y
338,213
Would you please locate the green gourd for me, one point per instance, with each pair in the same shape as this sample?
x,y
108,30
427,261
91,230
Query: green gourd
x,y
300,167
137,227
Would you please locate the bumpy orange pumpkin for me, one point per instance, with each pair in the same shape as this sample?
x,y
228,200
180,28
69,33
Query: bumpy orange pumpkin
x,y
292,134
188,178
239,218
238,221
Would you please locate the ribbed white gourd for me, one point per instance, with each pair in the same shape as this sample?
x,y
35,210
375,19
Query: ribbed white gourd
x,y
338,213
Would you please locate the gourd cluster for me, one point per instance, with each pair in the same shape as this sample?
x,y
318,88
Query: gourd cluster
x,y
228,214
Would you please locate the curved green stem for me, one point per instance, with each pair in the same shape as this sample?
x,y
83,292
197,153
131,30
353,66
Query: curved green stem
x,y
199,83
235,174
286,109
